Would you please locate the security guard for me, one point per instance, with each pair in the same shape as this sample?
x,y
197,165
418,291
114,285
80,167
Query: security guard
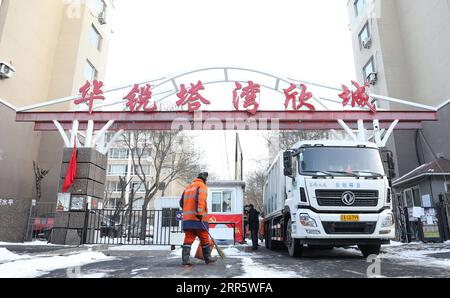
x,y
195,219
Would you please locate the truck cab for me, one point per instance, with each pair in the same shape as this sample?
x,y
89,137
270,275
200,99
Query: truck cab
x,y
328,194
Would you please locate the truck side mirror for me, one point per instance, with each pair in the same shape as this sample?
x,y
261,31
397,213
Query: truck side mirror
x,y
391,162
287,159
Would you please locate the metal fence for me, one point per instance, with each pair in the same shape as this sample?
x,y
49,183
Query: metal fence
x,y
41,218
131,227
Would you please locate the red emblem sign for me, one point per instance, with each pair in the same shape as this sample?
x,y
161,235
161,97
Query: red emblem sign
x,y
249,94
90,96
192,97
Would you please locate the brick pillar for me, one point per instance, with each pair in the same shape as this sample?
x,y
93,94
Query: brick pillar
x,y
89,186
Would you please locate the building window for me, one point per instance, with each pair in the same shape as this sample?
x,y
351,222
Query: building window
x,y
364,36
145,170
143,153
90,73
412,197
117,170
118,153
369,68
96,38
113,186
448,183
99,6
221,202
138,187
359,6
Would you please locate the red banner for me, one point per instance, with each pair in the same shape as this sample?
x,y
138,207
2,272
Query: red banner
x,y
229,218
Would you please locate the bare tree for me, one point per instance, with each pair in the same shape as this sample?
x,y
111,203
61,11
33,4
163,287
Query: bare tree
x,y
39,175
254,188
158,159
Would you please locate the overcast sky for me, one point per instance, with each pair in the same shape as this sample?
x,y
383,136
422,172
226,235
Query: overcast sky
x,y
300,39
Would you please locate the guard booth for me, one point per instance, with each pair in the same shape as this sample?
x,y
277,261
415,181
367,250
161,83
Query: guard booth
x,y
226,210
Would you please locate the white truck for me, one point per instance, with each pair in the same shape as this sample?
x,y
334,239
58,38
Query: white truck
x,y
327,194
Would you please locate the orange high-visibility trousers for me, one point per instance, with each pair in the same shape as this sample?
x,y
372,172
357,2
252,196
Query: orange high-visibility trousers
x,y
190,236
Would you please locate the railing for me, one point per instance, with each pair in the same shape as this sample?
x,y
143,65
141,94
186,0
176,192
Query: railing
x,y
41,218
131,227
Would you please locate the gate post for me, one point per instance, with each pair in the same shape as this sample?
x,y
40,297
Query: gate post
x,y
87,213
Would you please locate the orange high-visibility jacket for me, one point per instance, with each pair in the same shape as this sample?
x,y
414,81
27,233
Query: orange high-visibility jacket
x,y
194,202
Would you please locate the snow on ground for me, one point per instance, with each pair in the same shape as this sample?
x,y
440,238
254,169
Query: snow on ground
x,y
34,243
41,265
7,256
139,247
254,269
419,254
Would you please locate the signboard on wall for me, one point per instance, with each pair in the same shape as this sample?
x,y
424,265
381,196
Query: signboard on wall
x,y
426,201
63,203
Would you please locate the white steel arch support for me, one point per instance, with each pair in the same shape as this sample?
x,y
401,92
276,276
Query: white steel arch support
x,y
379,136
91,139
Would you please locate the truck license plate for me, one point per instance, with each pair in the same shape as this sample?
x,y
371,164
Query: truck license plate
x,y
350,218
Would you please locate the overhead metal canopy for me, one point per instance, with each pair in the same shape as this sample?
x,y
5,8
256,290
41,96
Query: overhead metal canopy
x,y
329,108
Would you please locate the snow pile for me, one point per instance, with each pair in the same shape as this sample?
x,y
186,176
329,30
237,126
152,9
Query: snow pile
x,y
253,269
34,243
35,267
139,248
420,253
7,256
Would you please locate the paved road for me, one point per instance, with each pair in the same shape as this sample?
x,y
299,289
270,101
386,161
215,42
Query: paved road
x,y
401,261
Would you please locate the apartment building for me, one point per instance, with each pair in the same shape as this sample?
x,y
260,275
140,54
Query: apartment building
x,y
49,49
402,48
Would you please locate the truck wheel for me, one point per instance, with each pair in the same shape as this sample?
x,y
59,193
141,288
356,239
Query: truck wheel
x,y
368,250
294,246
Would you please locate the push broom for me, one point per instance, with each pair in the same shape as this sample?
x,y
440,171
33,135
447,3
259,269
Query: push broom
x,y
219,250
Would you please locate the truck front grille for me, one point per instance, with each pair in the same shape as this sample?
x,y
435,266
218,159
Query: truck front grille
x,y
364,198
349,227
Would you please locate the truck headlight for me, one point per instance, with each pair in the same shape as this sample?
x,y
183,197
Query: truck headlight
x,y
388,221
307,221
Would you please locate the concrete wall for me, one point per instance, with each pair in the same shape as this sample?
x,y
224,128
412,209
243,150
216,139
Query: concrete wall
x,y
18,147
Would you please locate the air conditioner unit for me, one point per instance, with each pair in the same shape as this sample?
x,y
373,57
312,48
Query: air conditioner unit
x,y
102,18
6,70
367,43
372,78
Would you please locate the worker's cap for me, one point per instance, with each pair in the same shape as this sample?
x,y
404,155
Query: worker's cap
x,y
203,175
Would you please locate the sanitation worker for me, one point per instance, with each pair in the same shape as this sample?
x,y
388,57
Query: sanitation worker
x,y
253,222
195,219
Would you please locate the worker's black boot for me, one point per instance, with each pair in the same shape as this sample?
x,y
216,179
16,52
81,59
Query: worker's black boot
x,y
186,254
207,255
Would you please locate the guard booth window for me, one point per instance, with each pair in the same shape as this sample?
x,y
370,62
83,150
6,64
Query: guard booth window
x,y
169,217
412,198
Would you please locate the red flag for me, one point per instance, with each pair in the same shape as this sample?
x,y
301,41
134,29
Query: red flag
x,y
72,170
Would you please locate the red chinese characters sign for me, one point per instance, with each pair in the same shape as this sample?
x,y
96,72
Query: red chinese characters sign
x,y
89,96
297,98
192,97
249,95
292,96
139,98
359,97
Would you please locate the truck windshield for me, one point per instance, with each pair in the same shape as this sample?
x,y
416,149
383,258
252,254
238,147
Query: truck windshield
x,y
341,161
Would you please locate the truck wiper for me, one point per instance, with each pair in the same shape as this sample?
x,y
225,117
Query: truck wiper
x,y
345,173
378,175
323,172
